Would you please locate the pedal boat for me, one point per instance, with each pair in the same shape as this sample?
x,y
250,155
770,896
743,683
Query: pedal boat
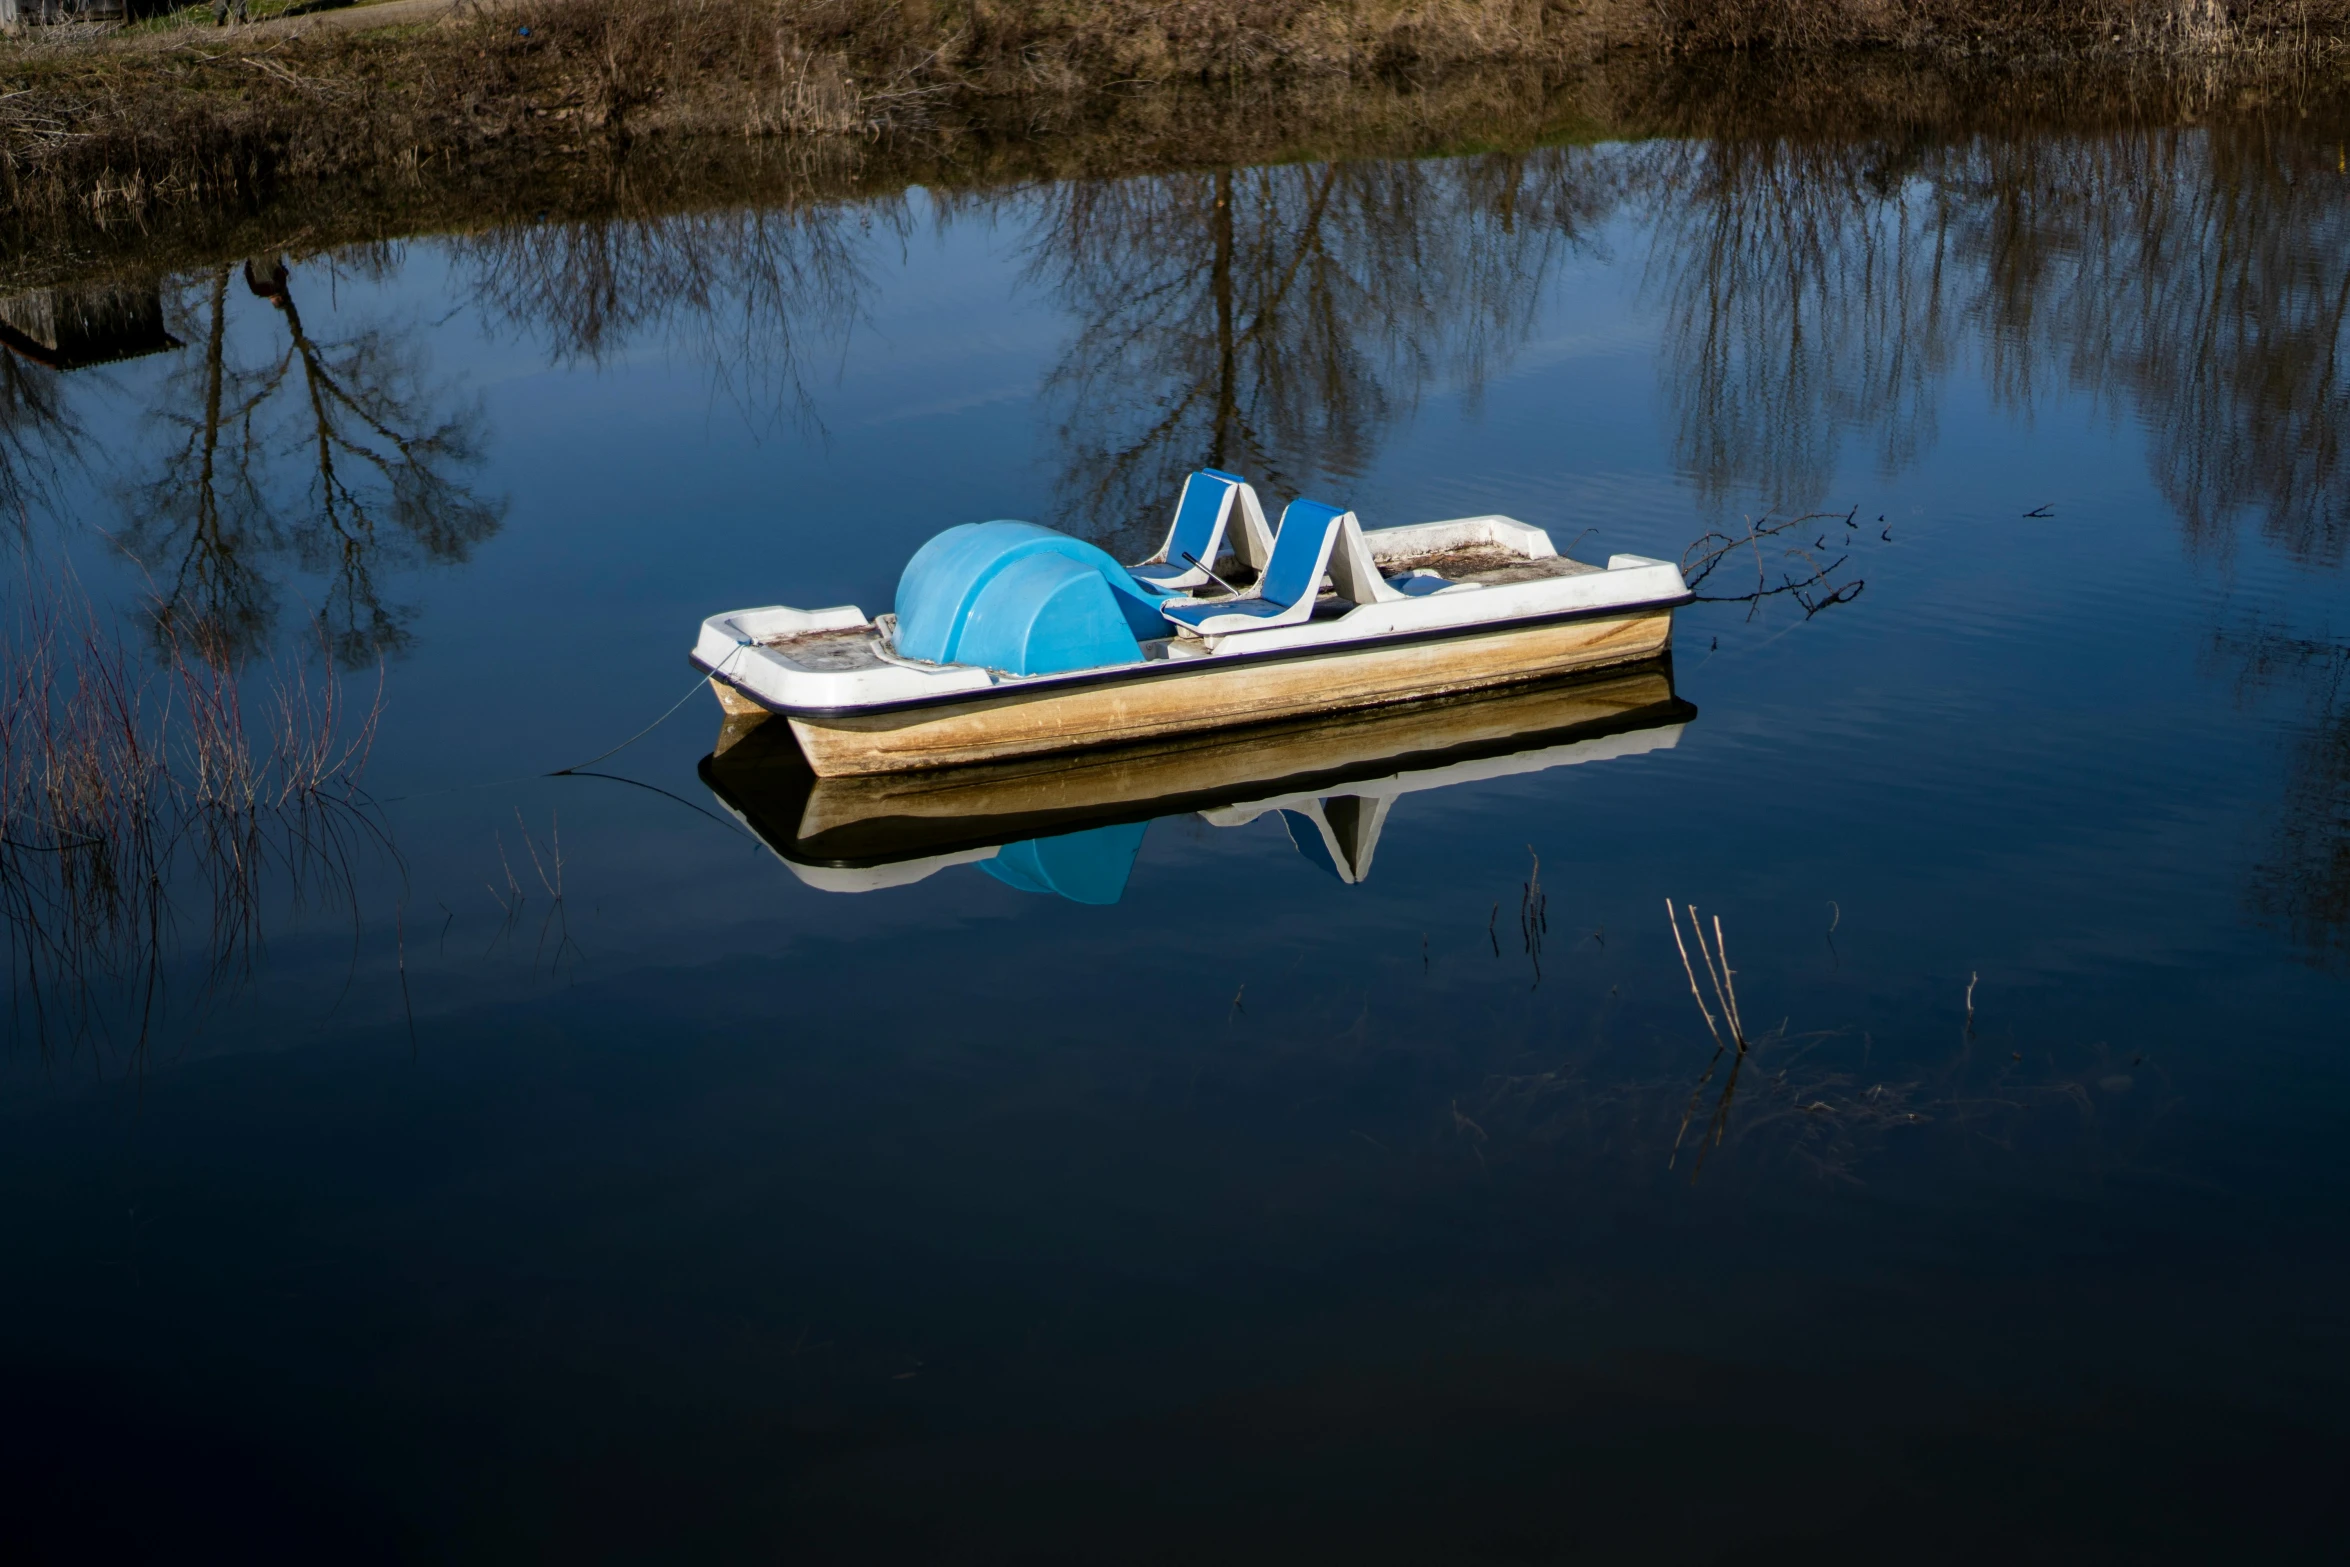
x,y
1072,825
1010,640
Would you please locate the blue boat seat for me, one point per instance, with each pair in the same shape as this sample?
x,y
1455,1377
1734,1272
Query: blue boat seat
x,y
1419,584
1292,579
1214,504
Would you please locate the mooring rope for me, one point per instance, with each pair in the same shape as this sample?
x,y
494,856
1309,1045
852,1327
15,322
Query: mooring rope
x,y
699,682
576,767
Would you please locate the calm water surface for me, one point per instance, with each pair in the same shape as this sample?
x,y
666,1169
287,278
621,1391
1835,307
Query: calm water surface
x,y
1219,1188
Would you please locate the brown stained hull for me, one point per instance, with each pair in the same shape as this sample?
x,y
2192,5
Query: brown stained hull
x,y
742,716
733,703
999,726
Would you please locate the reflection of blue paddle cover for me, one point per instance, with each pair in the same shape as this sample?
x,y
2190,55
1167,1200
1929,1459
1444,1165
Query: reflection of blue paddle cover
x,y
1084,867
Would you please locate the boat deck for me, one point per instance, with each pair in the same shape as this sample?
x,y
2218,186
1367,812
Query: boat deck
x,y
853,648
828,652
1483,563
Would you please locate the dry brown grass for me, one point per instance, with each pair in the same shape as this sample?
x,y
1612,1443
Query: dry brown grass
x,y
2027,29
146,817
105,129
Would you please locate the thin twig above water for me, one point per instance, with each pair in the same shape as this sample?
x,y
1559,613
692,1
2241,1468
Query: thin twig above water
x,y
1799,569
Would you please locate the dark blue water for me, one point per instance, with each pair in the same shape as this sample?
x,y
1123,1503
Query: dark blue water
x,y
1256,1203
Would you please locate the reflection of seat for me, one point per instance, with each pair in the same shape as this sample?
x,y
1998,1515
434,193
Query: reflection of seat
x,y
1285,594
1212,502
1338,832
1084,867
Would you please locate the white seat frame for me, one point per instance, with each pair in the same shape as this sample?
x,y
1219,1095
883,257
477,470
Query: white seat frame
x,y
1251,540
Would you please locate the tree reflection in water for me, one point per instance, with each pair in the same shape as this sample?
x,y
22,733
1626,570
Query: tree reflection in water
x,y
1275,321
36,432
2198,277
754,291
2302,881
1813,290
1802,299
339,456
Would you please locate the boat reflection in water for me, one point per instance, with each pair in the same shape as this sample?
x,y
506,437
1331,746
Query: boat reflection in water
x,y
1072,825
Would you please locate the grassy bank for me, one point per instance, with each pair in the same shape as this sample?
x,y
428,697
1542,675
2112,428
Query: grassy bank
x,y
273,189
108,128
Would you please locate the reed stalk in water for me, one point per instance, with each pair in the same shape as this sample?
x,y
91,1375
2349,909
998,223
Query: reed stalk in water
x,y
146,816
1723,979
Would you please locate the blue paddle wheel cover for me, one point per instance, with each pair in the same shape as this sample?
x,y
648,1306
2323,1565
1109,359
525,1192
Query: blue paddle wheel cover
x,y
1022,599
